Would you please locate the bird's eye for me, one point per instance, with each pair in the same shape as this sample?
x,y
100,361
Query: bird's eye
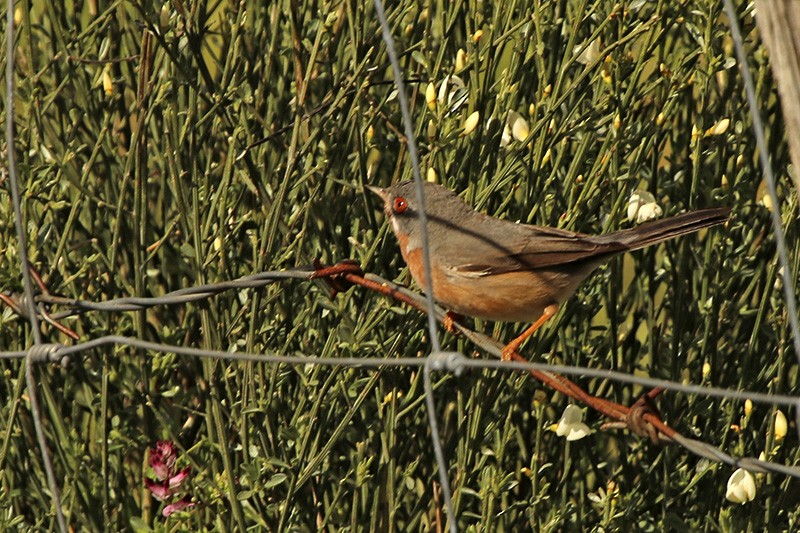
x,y
400,205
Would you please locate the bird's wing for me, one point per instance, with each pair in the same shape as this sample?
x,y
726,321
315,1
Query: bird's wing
x,y
534,247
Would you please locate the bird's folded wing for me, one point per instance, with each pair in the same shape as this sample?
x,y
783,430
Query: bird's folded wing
x,y
540,249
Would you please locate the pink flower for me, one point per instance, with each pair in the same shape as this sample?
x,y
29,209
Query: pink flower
x,y
183,503
168,482
176,480
162,458
159,489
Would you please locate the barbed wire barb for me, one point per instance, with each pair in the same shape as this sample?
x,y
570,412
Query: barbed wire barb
x,y
454,362
641,418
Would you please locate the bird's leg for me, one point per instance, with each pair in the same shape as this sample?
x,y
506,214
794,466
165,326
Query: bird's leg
x,y
514,345
450,320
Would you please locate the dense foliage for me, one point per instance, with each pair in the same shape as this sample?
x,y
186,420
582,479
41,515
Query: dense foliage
x,y
165,146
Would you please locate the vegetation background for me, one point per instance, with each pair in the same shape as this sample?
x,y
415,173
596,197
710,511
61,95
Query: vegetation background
x,y
138,129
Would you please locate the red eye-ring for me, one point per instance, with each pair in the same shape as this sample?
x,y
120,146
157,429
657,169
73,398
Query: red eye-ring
x,y
400,205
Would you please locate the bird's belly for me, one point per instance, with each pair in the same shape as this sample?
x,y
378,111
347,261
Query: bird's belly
x,y
519,296
508,297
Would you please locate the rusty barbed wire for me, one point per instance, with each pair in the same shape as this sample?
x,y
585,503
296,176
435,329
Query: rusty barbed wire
x,y
640,418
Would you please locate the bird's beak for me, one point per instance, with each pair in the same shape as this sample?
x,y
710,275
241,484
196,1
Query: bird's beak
x,y
377,190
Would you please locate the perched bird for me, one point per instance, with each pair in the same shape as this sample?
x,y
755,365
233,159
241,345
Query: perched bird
x,y
495,269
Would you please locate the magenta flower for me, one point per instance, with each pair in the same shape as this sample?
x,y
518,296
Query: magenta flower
x,y
176,480
183,503
168,482
162,458
159,489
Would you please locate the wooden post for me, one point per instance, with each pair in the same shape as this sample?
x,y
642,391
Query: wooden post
x,y
778,23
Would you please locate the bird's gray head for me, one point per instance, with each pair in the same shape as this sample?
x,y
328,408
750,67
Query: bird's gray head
x,y
402,209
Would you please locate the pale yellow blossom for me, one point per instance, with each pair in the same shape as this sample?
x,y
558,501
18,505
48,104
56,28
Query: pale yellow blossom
x,y
642,206
741,487
571,424
471,123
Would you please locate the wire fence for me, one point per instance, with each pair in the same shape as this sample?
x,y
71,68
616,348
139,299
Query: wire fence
x,y
639,418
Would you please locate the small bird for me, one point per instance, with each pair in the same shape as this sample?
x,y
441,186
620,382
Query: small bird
x,y
495,269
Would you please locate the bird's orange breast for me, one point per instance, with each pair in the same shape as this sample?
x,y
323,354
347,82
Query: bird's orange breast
x,y
508,297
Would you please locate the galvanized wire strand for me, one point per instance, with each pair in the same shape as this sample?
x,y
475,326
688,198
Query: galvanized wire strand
x,y
451,362
413,155
456,363
30,380
120,340
446,361
17,354
748,463
426,259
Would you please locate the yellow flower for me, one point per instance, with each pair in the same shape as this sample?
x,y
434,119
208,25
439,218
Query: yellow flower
x,y
589,55
642,207
432,175
431,129
520,129
571,424
452,93
471,123
605,72
515,129
430,96
741,487
518,126
763,197
108,83
695,132
719,128
461,59
781,425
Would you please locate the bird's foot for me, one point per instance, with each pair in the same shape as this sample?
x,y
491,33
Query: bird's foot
x,y
450,320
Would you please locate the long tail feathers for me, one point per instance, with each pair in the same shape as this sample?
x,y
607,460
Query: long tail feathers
x,y
669,228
